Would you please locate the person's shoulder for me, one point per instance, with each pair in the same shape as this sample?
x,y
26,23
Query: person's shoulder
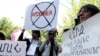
x,y
28,39
40,42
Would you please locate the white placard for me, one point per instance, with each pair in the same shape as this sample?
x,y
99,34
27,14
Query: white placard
x,y
83,40
12,48
42,15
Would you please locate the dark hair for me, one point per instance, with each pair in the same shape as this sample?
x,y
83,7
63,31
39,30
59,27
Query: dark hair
x,y
90,7
77,21
50,32
37,32
2,36
94,10
65,30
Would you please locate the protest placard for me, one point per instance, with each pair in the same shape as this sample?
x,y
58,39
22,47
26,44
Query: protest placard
x,y
42,15
12,48
83,40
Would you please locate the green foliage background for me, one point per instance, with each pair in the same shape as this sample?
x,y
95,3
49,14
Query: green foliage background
x,y
7,26
71,13
75,6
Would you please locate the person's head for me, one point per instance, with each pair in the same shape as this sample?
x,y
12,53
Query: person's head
x,y
51,35
55,32
36,34
2,36
87,11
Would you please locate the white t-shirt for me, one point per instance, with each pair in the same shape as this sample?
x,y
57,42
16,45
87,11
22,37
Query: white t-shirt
x,y
32,48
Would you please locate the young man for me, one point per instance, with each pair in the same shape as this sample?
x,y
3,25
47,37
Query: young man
x,y
87,11
50,46
32,44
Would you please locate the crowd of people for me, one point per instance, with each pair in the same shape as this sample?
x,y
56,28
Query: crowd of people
x,y
50,46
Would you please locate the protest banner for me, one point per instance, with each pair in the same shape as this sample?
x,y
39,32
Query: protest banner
x,y
83,40
42,15
12,48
